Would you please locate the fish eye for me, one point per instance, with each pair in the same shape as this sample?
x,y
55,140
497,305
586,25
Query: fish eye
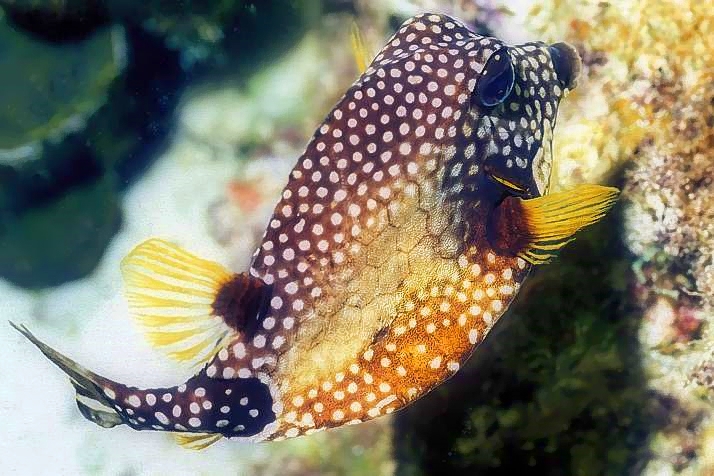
x,y
566,62
496,80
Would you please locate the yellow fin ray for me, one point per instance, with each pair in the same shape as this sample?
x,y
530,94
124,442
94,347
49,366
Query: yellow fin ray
x,y
168,273
359,50
162,254
196,441
553,219
166,302
199,274
171,294
155,320
191,353
164,338
147,282
537,228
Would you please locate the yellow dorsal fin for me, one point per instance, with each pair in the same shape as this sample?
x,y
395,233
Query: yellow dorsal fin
x,y
537,228
171,293
196,441
359,50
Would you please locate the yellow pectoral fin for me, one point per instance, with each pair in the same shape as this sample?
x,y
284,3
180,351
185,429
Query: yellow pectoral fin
x,y
537,228
172,294
359,51
196,441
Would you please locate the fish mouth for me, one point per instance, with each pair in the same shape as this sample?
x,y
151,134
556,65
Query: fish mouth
x,y
516,180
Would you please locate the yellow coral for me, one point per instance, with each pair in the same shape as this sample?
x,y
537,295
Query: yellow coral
x,y
640,56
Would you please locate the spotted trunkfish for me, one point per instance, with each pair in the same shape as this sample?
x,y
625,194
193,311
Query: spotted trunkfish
x,y
403,234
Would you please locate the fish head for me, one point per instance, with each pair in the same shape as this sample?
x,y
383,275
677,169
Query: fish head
x,y
513,110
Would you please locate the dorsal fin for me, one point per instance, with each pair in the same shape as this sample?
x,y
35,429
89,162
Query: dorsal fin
x,y
189,307
196,441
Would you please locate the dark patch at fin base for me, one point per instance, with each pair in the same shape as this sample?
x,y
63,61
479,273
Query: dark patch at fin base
x,y
508,232
535,229
240,302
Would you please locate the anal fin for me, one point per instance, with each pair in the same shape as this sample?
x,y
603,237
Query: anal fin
x,y
196,441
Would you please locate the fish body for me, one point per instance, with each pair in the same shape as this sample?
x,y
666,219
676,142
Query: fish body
x,y
405,231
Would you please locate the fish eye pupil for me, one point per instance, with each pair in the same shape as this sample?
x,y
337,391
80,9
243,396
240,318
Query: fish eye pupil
x,y
496,81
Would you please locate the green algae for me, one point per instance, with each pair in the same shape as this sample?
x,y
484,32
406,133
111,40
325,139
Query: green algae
x,y
350,451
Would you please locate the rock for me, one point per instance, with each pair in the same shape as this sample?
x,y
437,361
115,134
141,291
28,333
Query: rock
x,y
199,30
50,93
56,20
63,240
50,90
78,121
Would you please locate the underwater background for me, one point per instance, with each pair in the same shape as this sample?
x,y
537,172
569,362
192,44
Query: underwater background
x,y
123,120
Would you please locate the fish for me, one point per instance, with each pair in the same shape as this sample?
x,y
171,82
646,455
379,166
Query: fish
x,y
406,229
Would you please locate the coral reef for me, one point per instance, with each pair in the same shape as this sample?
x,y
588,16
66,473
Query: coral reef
x,y
639,57
670,227
646,101
670,186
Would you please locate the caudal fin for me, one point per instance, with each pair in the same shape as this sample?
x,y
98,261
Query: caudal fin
x,y
91,399
198,412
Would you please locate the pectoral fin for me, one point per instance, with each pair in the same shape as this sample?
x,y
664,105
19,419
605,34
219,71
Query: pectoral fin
x,y
537,228
359,50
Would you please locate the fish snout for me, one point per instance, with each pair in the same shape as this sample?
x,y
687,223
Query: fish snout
x,y
567,63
